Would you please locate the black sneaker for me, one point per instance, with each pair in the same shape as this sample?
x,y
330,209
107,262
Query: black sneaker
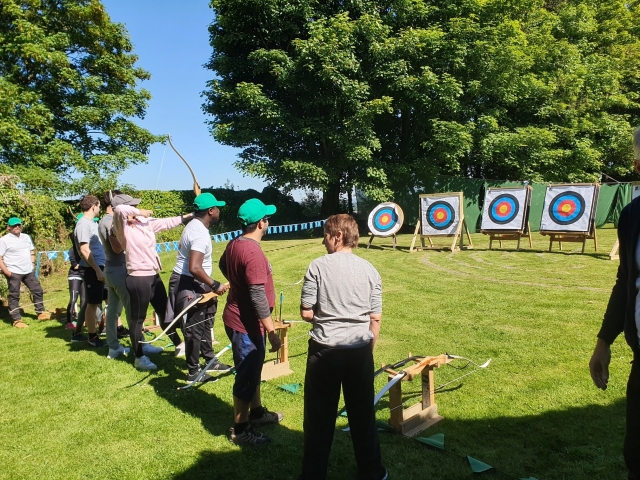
x,y
249,437
219,367
267,418
78,338
204,379
123,332
95,342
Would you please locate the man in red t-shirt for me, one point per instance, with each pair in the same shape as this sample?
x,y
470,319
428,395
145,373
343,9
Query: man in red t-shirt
x,y
246,317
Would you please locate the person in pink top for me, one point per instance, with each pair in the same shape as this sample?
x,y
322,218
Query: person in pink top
x,y
136,232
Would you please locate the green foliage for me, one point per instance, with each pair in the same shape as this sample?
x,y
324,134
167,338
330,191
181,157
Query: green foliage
x,y
41,215
68,86
386,95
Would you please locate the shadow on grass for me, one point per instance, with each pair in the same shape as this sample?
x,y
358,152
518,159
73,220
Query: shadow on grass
x,y
582,442
217,418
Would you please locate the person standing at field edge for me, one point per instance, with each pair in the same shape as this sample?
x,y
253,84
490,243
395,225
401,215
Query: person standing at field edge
x,y
17,258
191,277
623,315
92,261
246,316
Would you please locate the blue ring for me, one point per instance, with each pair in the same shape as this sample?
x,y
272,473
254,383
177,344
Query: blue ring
x,y
441,224
379,213
495,216
575,216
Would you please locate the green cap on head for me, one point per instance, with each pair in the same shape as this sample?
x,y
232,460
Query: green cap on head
x,y
254,210
207,200
13,221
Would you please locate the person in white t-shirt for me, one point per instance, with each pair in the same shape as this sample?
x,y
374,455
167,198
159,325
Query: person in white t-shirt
x,y
17,257
191,277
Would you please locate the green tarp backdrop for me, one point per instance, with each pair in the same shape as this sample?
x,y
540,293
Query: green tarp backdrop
x,y
612,198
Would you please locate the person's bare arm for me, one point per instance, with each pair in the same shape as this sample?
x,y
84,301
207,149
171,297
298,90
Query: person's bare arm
x,y
115,244
599,364
374,326
4,268
85,251
306,313
195,269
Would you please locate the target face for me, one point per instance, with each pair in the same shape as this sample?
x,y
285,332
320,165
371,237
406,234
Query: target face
x,y
568,208
386,219
504,208
440,214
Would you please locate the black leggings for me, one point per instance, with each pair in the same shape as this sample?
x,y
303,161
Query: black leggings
x,y
75,289
142,291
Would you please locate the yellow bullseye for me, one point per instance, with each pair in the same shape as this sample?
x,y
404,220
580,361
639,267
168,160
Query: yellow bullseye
x,y
384,219
440,215
566,208
503,209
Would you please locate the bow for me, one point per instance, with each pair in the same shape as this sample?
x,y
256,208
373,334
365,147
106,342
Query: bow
x,y
196,186
398,377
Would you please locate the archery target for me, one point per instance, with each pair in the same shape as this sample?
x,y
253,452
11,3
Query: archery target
x,y
385,220
440,215
568,208
504,209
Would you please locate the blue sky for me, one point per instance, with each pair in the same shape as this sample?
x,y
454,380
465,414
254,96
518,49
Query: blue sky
x,y
172,42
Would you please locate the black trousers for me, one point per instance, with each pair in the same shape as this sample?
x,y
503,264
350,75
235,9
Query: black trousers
x,y
32,283
142,291
75,289
197,328
632,437
328,369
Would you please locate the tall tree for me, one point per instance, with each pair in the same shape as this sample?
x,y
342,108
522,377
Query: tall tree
x,y
385,94
68,91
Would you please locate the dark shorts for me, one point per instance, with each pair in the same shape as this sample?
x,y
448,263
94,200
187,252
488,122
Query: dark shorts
x,y
248,357
96,293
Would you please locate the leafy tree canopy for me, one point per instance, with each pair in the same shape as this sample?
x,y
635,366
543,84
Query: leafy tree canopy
x,y
67,93
383,94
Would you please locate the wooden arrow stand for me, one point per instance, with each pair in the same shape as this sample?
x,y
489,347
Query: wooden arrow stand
x,y
280,366
412,420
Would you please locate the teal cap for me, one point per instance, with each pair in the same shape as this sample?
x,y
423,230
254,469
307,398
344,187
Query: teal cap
x,y
254,210
13,221
207,200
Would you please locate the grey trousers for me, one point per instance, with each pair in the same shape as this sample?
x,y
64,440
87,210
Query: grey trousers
x,y
32,283
118,299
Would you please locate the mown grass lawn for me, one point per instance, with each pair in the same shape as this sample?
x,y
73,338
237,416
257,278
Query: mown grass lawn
x,y
67,412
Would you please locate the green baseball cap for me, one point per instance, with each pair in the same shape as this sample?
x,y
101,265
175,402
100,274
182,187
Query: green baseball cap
x,y
253,210
207,200
13,221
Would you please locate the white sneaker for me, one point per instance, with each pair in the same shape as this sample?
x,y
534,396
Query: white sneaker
x,y
119,351
143,363
150,349
181,350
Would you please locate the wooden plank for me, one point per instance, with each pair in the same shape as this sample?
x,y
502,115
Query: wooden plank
x,y
275,369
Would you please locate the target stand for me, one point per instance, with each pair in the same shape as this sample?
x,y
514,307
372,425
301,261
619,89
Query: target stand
x,y
509,235
412,420
506,215
384,221
441,216
568,237
280,366
569,213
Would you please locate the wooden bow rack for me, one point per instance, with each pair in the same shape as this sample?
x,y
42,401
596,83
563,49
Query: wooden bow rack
x,y
412,420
